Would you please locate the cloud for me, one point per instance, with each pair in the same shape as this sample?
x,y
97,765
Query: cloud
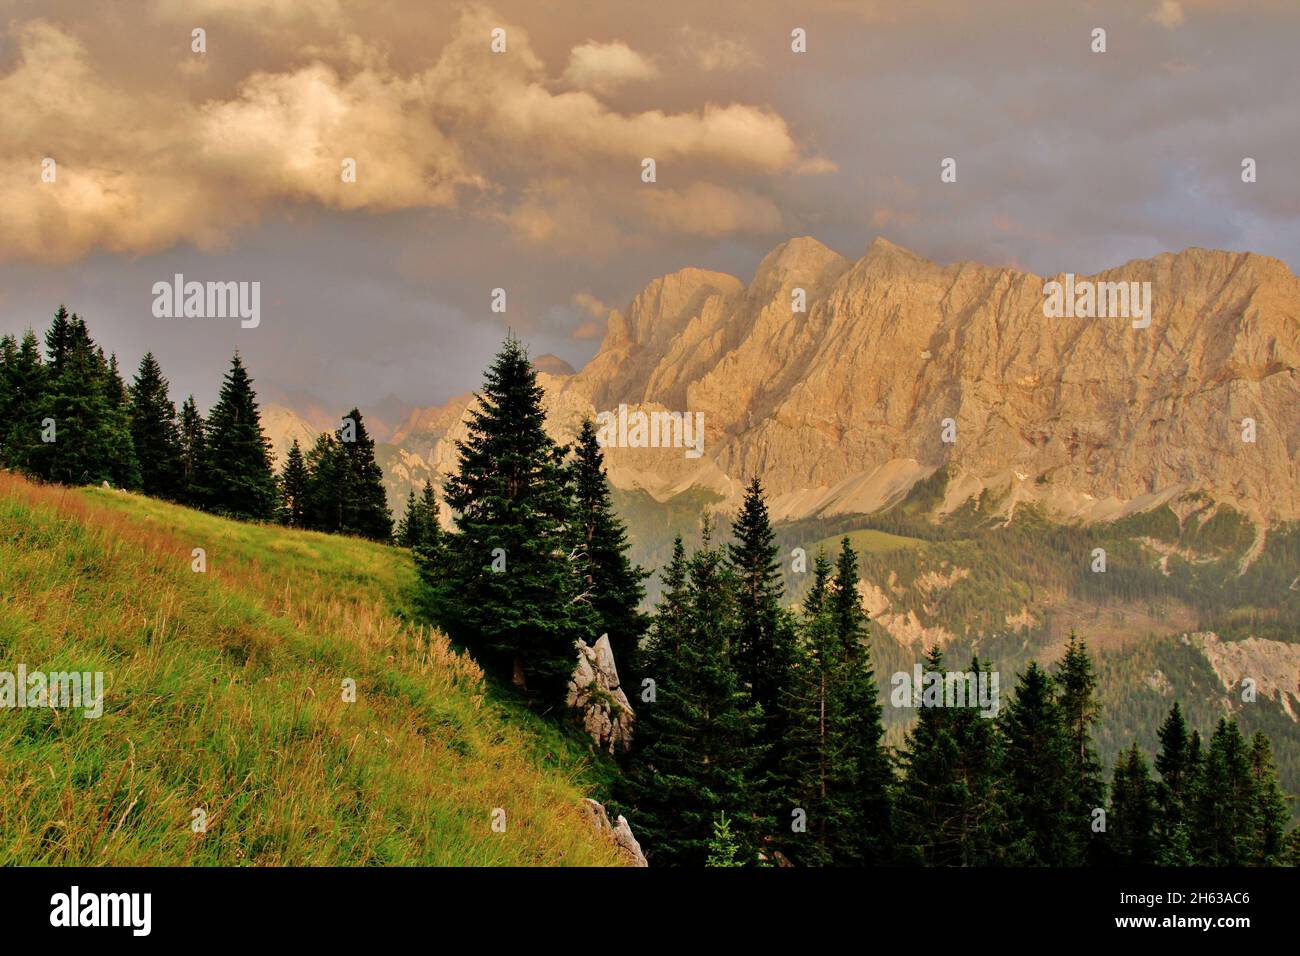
x,y
1169,14
713,52
603,67
467,129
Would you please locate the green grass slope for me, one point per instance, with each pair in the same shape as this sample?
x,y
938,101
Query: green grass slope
x,y
223,692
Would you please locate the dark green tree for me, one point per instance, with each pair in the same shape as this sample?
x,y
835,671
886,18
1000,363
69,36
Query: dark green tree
x,y
194,453
155,433
365,503
1039,771
764,651
1132,824
1076,688
510,577
293,487
1271,811
237,467
1227,825
697,751
22,391
326,486
1174,764
77,404
612,586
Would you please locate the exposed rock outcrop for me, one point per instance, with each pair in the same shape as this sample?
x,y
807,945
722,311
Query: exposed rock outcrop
x,y
620,831
594,691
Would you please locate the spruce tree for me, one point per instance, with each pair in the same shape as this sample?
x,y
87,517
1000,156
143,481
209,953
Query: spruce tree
x,y
24,385
125,468
697,751
326,487
365,504
612,585
1271,811
194,451
1039,770
1174,764
154,432
293,487
86,446
237,465
949,803
1132,824
408,526
764,651
1076,687
1227,825
512,576
857,704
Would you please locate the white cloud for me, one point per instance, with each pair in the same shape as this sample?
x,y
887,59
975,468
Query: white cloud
x,y
603,67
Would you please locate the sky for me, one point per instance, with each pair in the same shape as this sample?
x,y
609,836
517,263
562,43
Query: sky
x,y
523,169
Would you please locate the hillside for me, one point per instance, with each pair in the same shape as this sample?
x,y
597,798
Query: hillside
x,y
222,692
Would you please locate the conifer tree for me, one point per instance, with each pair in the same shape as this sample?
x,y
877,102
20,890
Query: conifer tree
x,y
365,503
85,447
408,526
511,575
949,808
1076,687
1271,811
697,737
154,432
1227,825
237,467
23,388
293,487
326,486
1039,771
1132,824
611,583
764,651
870,841
1174,764
125,468
194,451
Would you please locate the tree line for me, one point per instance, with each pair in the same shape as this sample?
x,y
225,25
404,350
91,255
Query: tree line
x,y
759,735
67,416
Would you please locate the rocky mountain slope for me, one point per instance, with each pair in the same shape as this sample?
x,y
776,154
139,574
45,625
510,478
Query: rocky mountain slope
x,y
843,407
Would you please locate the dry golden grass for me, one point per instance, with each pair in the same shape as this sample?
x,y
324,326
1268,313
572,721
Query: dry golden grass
x,y
223,693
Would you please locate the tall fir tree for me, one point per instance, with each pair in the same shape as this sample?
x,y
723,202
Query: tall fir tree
x,y
1076,687
365,504
23,387
237,467
154,432
125,468
1174,763
194,453
509,579
1271,811
1133,821
293,487
86,445
949,804
613,586
871,839
698,736
1039,770
326,487
1227,825
765,640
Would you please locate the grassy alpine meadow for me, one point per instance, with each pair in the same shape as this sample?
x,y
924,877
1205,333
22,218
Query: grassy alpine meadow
x,y
225,737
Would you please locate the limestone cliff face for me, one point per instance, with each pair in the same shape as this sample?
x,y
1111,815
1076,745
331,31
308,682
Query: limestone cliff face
x,y
842,408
